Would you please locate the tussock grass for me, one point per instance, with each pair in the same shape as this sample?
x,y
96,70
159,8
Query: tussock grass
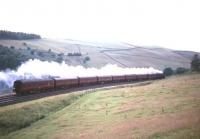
x,y
19,116
182,133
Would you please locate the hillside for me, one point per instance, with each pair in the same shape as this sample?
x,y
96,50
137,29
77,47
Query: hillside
x,y
168,108
100,54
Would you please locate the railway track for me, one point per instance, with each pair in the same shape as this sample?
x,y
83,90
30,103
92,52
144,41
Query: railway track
x,y
13,98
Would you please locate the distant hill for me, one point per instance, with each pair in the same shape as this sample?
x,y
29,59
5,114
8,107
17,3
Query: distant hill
x,y
90,54
17,35
186,54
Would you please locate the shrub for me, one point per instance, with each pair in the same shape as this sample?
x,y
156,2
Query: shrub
x,y
168,71
181,70
87,58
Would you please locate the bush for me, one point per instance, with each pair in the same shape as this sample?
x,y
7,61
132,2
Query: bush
x,y
181,70
87,58
168,71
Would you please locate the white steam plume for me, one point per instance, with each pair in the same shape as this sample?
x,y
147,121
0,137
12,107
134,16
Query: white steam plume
x,y
44,69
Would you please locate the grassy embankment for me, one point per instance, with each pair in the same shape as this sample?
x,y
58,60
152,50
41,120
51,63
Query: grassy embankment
x,y
167,108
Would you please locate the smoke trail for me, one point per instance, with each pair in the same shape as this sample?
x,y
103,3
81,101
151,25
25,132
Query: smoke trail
x,y
43,69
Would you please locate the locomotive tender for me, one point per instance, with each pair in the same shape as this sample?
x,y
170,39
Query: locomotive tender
x,y
23,87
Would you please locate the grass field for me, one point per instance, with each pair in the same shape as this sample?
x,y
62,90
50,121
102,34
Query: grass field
x,y
168,108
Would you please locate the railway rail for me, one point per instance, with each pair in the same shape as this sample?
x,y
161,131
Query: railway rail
x,y
13,98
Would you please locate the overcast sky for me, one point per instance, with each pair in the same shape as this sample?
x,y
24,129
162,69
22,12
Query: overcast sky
x,y
168,23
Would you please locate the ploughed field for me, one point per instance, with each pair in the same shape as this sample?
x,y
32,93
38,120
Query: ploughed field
x,y
168,108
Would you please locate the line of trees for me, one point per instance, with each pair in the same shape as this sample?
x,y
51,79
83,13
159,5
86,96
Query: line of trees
x,y
17,35
195,66
169,71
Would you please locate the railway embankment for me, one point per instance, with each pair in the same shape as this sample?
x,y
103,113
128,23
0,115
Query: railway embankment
x,y
21,115
16,117
168,108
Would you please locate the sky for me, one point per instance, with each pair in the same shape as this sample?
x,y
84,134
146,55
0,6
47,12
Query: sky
x,y
173,24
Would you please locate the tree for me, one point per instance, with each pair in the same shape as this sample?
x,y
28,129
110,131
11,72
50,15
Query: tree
x,y
181,70
195,64
10,58
168,71
87,58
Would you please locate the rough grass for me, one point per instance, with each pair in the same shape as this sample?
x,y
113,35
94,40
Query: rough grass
x,y
168,108
181,133
16,117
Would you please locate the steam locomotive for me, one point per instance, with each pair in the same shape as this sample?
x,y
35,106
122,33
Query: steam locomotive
x,y
23,87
